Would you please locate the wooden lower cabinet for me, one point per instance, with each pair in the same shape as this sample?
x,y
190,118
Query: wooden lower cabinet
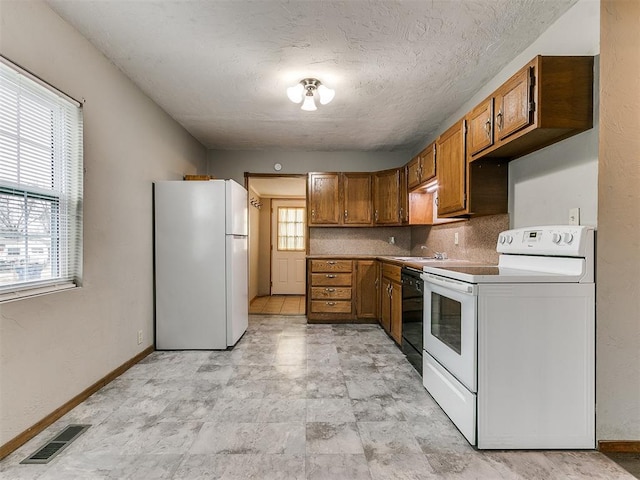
x,y
391,301
342,290
367,289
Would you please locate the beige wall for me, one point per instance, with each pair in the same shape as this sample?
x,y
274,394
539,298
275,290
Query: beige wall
x,y
254,243
618,258
233,164
264,249
53,347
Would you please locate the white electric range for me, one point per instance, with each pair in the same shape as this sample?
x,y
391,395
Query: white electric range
x,y
509,349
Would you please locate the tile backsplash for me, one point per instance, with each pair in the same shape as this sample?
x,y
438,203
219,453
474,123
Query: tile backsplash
x,y
477,239
360,241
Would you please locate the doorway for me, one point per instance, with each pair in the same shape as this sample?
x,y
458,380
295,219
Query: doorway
x,y
277,243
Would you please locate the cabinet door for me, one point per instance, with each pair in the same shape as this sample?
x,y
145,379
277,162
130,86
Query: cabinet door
x,y
396,312
385,304
367,289
413,172
480,121
428,163
324,199
403,197
512,104
387,197
357,188
452,163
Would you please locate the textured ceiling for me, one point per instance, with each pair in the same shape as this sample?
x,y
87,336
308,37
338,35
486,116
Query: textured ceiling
x,y
399,68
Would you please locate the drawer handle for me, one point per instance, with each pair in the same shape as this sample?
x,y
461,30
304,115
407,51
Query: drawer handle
x,y
330,289
331,304
331,276
331,262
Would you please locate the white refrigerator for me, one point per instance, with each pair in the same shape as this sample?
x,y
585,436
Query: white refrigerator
x,y
201,284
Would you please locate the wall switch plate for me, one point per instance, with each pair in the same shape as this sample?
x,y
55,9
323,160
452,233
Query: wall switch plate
x,y
139,337
392,240
574,216
455,238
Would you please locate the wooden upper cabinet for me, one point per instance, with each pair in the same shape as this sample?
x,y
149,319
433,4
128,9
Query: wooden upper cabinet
x,y
413,172
386,197
339,199
357,195
428,163
324,199
513,103
548,100
480,122
422,168
452,164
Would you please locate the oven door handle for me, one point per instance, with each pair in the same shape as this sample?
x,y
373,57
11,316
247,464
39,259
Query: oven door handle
x,y
450,284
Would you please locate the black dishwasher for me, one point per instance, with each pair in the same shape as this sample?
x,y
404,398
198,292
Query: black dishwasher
x,y
412,316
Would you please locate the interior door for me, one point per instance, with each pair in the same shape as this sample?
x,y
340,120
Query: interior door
x,y
288,230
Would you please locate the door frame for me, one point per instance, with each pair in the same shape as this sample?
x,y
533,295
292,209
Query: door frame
x,y
249,175
273,235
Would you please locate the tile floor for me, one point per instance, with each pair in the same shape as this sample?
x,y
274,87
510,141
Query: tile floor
x,y
278,305
291,401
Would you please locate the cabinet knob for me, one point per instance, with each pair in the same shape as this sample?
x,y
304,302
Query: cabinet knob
x,y
499,119
331,276
375,215
345,214
313,213
331,262
331,304
330,289
487,127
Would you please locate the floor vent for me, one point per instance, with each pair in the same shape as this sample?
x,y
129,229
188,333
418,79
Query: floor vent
x,y
56,445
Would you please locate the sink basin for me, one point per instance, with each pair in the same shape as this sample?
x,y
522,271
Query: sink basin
x,y
427,260
423,259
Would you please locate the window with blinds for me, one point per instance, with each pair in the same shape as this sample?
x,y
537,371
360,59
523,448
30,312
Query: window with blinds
x,y
291,228
40,186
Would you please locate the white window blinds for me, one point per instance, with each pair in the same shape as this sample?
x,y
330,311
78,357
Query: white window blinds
x,y
40,186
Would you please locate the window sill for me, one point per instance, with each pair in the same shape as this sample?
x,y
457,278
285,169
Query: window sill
x,y
33,291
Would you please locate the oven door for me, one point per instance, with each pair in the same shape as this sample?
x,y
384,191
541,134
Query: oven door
x,y
451,325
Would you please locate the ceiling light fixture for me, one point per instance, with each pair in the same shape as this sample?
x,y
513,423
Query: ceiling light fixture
x,y
306,89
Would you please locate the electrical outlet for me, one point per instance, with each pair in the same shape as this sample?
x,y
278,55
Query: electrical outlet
x,y
392,240
574,216
455,238
139,337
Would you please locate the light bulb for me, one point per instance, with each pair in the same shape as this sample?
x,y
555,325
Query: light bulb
x,y
309,104
326,94
295,93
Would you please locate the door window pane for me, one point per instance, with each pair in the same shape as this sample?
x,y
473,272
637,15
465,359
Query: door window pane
x,y
291,228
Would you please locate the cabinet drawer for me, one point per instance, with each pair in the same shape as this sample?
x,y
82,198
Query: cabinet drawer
x,y
334,293
331,265
392,272
322,279
330,306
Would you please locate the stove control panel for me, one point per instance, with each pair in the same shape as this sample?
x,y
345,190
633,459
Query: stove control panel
x,y
554,240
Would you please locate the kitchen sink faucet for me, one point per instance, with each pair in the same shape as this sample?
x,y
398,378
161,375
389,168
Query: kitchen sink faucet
x,y
436,255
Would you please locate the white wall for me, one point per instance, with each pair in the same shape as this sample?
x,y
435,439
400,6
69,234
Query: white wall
x,y
233,164
53,347
543,186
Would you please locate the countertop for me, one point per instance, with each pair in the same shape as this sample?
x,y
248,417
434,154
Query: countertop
x,y
403,261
